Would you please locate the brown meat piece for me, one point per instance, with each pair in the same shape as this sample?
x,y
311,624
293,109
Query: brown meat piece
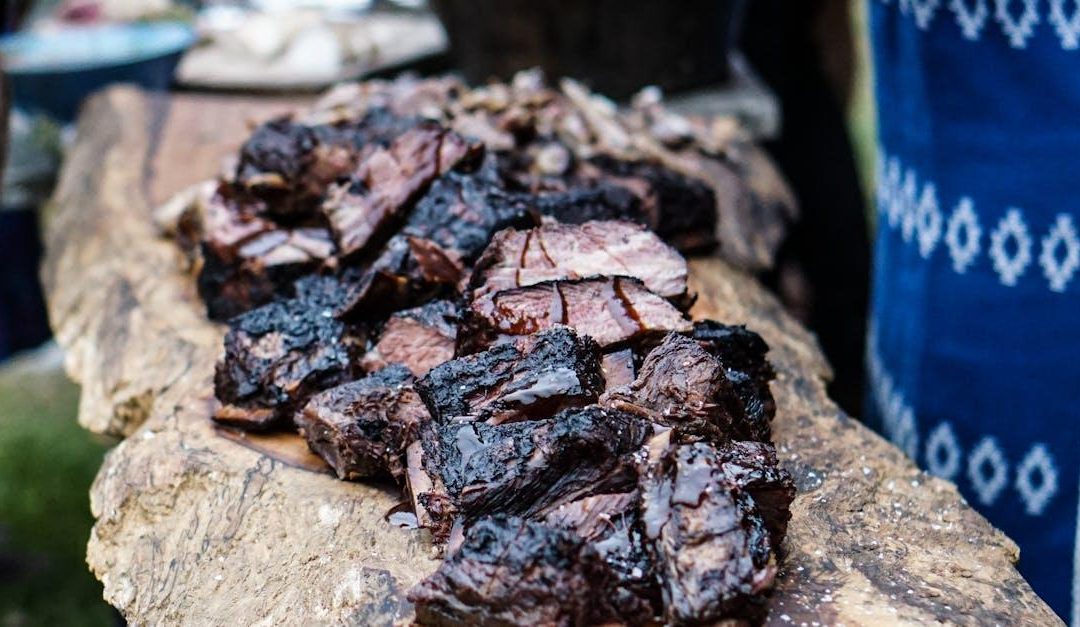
x,y
681,385
711,548
753,468
419,338
552,370
387,183
409,271
563,251
611,310
278,355
743,354
247,259
362,428
618,368
511,571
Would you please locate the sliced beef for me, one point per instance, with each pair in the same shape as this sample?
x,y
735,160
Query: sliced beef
x,y
387,182
562,251
290,164
753,468
462,211
611,524
743,354
409,271
247,260
611,310
681,385
680,209
523,468
362,428
712,551
552,370
276,356
419,338
511,571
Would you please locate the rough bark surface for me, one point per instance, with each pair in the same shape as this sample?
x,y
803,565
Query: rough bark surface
x,y
197,528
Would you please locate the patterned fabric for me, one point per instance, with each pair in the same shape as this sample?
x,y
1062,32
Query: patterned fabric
x,y
975,328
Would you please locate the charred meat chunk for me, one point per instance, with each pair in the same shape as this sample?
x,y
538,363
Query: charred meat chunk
x,y
611,310
247,259
680,209
711,548
743,354
363,212
511,571
362,428
290,165
752,467
547,372
562,251
419,338
681,385
524,468
409,271
611,524
276,356
590,201
462,211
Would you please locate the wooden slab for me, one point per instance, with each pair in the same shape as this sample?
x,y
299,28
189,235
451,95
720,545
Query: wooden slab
x,y
194,528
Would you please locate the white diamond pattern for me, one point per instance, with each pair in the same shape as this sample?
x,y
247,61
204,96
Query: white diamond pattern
x,y
962,235
1060,270
928,221
924,12
970,20
1010,266
943,452
1067,28
895,203
1017,28
1036,493
987,470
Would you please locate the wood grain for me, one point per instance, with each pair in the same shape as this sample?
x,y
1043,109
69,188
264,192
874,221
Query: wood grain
x,y
195,528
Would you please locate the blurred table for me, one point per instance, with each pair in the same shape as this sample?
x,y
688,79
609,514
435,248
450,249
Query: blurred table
x,y
193,527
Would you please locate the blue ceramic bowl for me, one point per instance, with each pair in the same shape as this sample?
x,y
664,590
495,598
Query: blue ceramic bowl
x,y
54,71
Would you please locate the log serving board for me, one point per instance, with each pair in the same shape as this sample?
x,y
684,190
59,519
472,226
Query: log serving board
x,y
196,528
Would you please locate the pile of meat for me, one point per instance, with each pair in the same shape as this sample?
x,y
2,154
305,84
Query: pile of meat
x,y
452,290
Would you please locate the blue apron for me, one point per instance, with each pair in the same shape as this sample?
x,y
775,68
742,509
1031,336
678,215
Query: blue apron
x,y
974,341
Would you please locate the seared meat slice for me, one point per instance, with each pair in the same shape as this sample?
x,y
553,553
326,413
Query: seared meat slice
x,y
462,211
247,259
511,571
561,251
681,385
387,182
611,310
743,354
680,209
553,370
290,165
419,338
523,468
611,524
362,428
711,548
276,356
409,271
753,468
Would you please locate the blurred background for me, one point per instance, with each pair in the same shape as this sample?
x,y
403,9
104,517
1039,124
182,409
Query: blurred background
x,y
795,74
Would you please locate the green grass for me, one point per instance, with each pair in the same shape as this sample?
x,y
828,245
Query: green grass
x,y
47,463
